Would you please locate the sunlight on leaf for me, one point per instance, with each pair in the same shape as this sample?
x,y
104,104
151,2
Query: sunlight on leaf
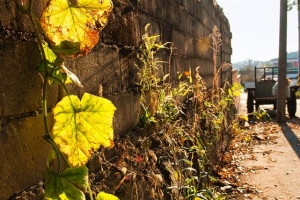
x,y
50,158
236,89
69,184
77,22
245,117
56,68
72,76
82,126
52,67
177,175
237,93
50,55
105,196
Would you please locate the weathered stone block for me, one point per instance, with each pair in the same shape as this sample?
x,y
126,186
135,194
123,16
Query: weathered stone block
x,y
199,10
184,21
23,154
178,39
191,6
21,86
101,66
127,113
172,16
121,27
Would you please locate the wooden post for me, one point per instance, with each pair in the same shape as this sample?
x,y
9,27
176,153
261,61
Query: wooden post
x,y
281,94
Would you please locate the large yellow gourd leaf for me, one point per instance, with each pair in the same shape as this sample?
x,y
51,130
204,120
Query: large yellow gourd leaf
x,y
75,21
81,127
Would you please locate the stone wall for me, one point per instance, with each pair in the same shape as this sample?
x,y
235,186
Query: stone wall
x,y
186,23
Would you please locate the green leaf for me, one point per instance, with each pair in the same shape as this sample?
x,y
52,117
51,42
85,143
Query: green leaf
x,y
75,21
106,196
53,66
50,158
82,126
69,184
50,55
67,48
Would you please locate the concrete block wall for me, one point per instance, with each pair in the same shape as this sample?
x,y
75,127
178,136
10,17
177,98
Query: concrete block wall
x,y
186,23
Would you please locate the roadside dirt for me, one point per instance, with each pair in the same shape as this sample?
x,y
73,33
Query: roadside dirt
x,y
264,161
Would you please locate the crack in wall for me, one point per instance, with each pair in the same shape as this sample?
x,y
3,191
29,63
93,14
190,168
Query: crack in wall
x,y
6,33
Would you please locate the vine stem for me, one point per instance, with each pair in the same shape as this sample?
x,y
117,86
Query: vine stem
x,y
90,191
45,87
47,75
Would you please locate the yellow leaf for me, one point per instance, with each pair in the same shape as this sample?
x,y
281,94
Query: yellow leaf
x,y
77,22
106,196
176,175
82,126
245,117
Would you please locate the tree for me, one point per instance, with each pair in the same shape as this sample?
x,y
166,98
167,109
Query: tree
x,y
247,74
291,4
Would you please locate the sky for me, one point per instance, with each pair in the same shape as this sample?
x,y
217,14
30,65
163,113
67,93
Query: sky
x,y
254,25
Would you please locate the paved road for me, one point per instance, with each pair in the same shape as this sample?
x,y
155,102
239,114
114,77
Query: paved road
x,y
276,163
275,168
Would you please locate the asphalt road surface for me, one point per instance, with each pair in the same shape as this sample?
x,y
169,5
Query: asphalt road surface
x,y
275,163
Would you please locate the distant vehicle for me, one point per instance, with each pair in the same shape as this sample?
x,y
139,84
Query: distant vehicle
x,y
292,70
261,93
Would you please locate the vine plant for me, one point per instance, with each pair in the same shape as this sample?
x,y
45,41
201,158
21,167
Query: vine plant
x,y
68,29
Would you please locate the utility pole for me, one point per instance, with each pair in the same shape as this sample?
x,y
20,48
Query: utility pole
x,y
281,94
